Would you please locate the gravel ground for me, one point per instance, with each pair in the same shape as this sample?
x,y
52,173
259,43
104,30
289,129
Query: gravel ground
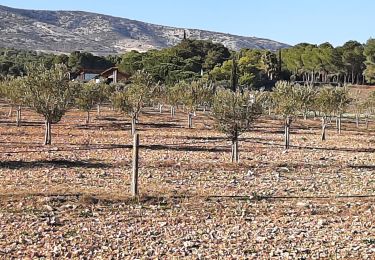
x,y
71,200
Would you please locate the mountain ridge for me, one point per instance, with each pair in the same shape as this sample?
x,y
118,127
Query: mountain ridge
x,y
67,31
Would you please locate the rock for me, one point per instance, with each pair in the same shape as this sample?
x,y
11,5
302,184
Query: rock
x,y
54,221
67,206
322,222
260,239
48,208
302,204
250,173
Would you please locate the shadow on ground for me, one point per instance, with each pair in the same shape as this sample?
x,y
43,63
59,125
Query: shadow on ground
x,y
54,163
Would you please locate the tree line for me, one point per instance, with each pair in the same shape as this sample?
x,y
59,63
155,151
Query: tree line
x,y
352,63
51,93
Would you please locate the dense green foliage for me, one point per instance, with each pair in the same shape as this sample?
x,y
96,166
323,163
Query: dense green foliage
x,y
12,61
184,61
324,63
193,59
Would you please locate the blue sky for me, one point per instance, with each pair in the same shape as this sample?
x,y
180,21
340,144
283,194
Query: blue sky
x,y
288,21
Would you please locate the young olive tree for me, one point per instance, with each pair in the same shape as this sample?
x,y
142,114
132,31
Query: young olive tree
x,y
159,96
265,98
104,93
12,90
286,105
194,94
357,106
305,96
49,92
233,113
206,95
369,107
341,101
89,95
173,96
134,96
327,104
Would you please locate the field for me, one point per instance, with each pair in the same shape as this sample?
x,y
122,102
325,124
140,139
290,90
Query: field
x,y
72,200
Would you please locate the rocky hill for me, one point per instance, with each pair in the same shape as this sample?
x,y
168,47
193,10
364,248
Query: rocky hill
x,y
67,31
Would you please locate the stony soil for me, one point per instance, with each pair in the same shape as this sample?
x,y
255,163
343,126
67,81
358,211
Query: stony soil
x,y
72,200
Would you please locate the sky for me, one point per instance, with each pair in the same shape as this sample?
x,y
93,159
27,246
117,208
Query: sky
x,y
287,21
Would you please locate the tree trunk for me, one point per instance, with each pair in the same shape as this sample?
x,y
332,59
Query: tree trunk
x,y
173,111
353,77
10,111
160,108
190,120
18,118
366,121
339,124
312,77
235,156
48,133
357,120
324,126
98,111
287,133
134,124
134,177
88,117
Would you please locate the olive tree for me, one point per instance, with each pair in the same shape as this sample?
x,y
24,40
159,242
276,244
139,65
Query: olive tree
x,y
233,113
265,98
12,90
49,93
89,95
305,96
357,105
196,93
173,97
369,107
133,97
341,102
104,93
159,96
286,105
327,106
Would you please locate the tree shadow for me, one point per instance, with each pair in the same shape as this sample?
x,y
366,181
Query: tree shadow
x,y
207,138
14,165
111,119
23,123
119,126
159,125
367,167
342,149
174,147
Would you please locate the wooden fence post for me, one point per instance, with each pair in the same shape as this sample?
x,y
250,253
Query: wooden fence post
x,y
134,177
